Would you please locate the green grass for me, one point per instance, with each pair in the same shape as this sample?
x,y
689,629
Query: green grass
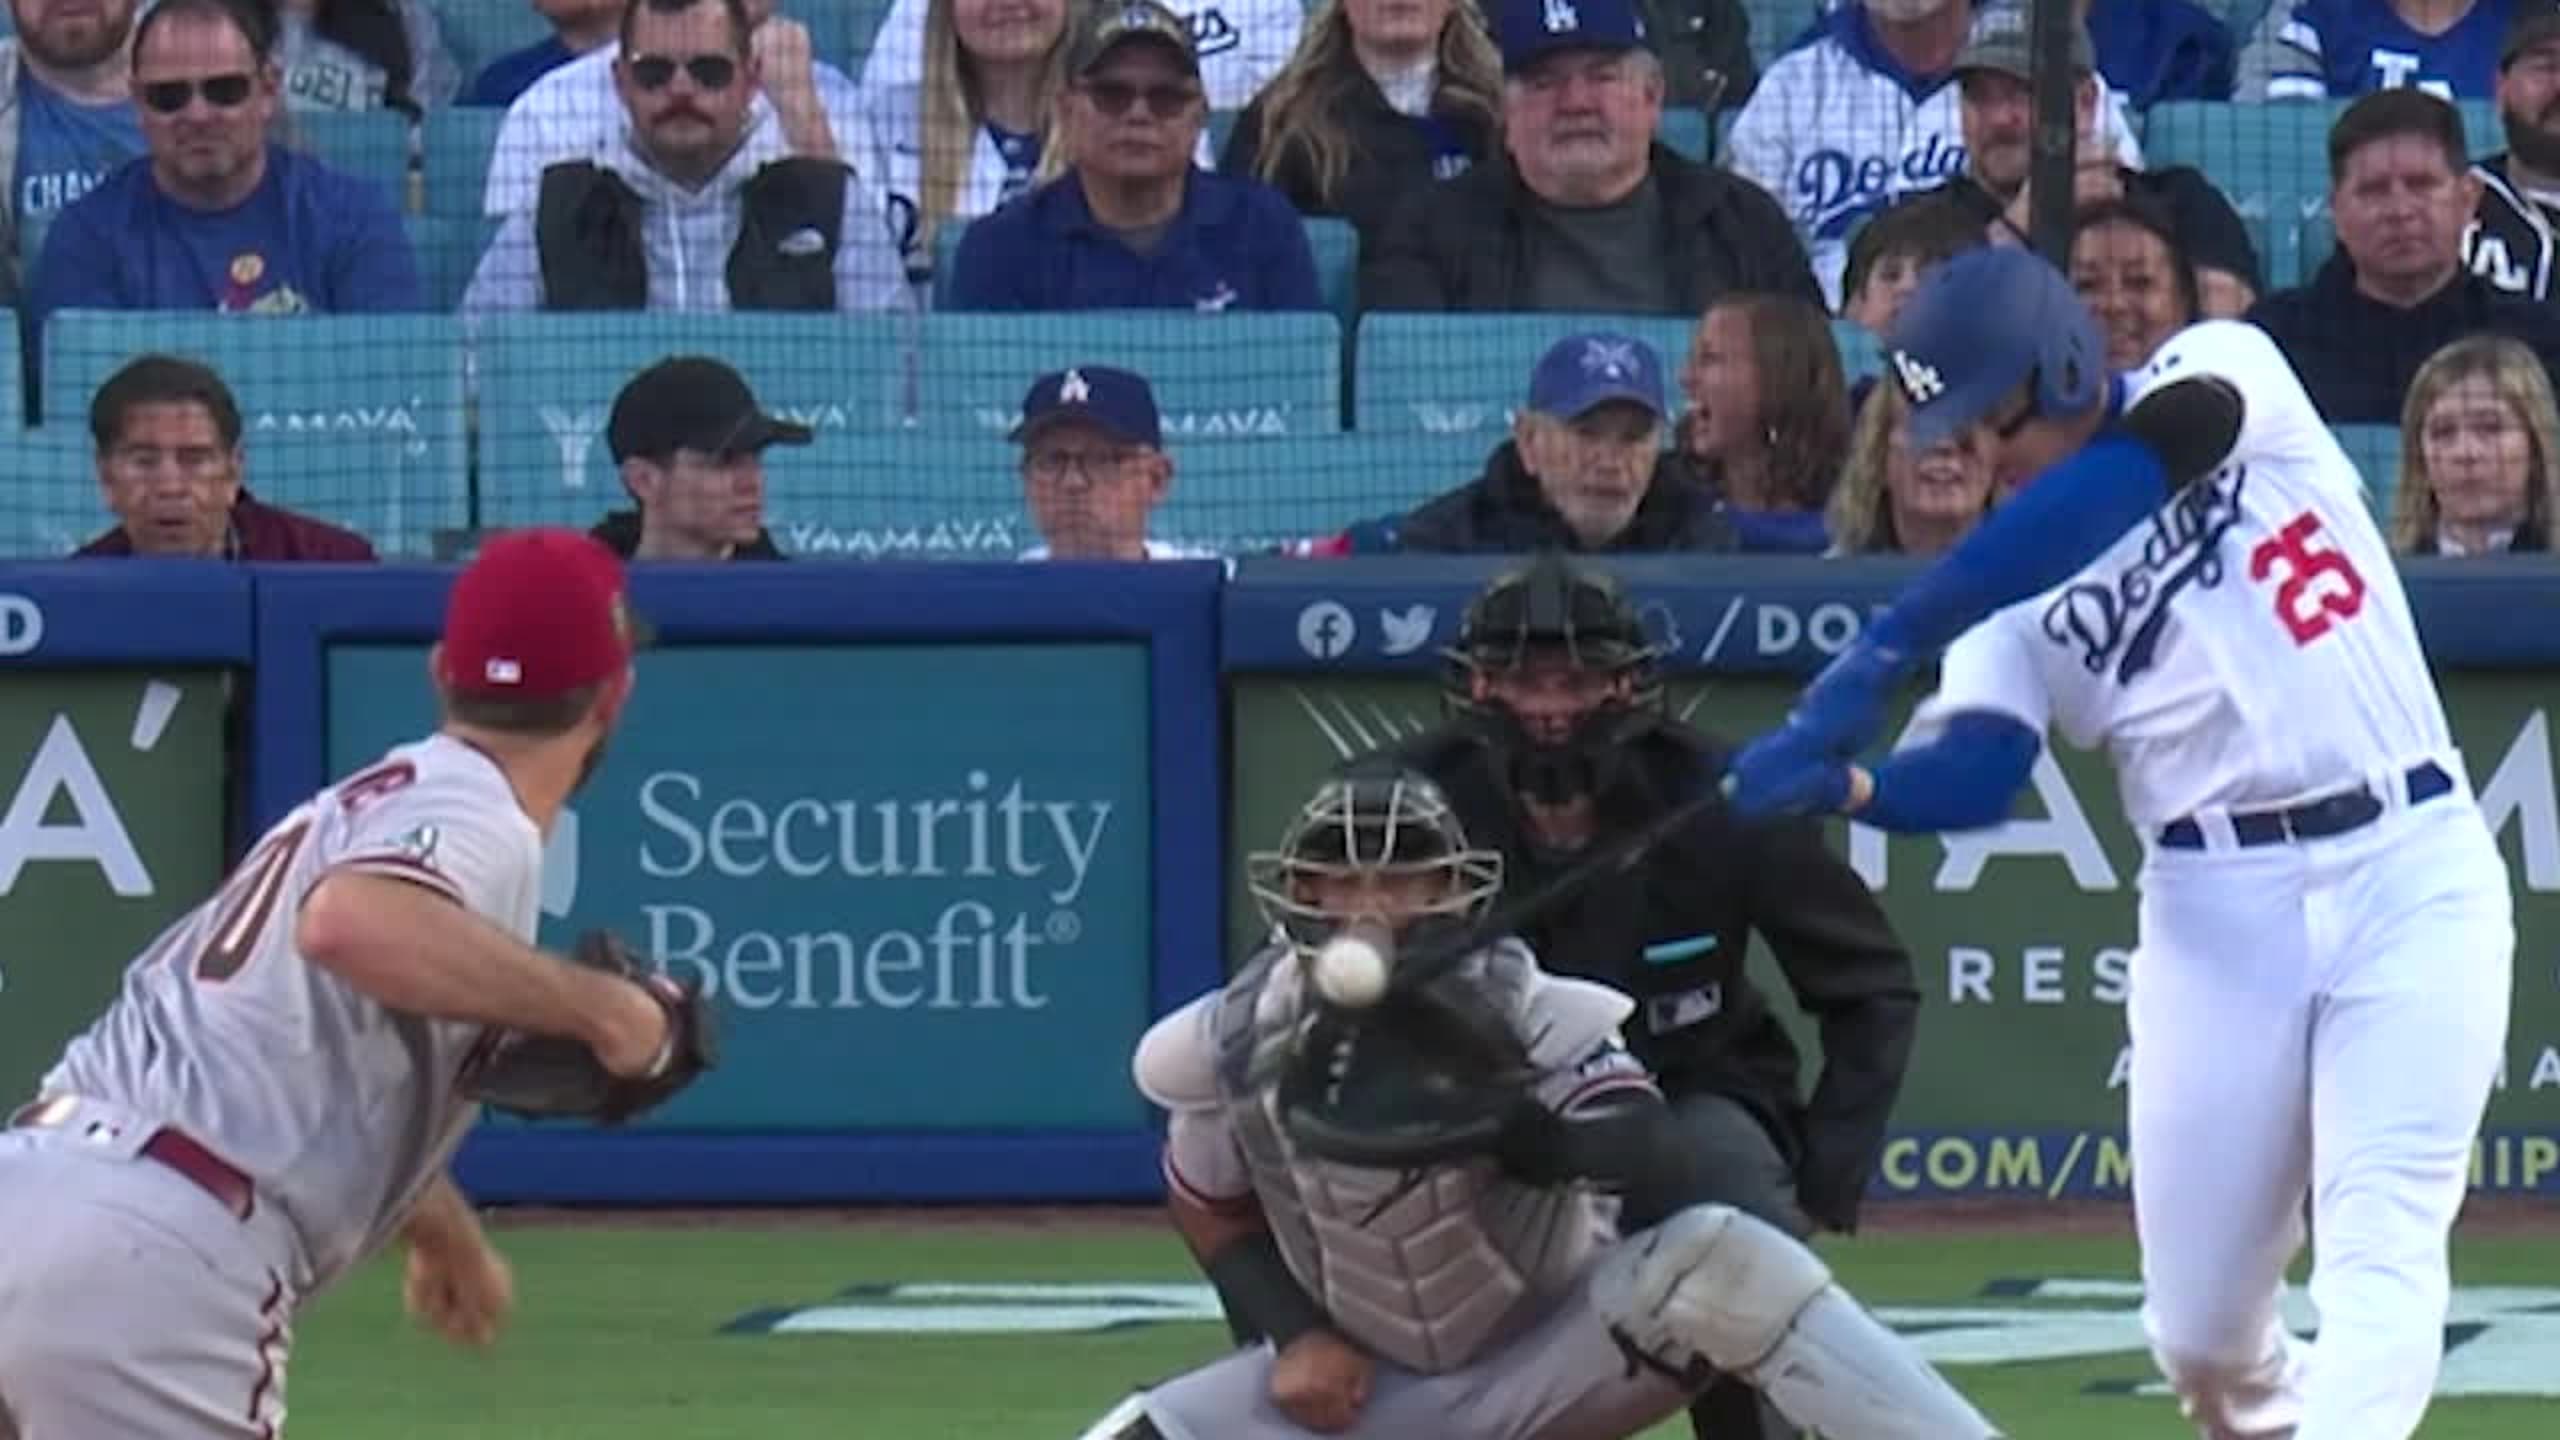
x,y
617,1336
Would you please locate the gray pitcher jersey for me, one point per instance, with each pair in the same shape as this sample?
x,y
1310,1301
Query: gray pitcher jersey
x,y
1427,1269
340,1110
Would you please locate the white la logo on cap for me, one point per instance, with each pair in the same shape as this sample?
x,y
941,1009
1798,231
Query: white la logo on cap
x,y
1072,389
1561,16
1920,381
502,671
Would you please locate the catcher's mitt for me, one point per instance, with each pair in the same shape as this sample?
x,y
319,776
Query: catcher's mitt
x,y
552,1075
1428,1076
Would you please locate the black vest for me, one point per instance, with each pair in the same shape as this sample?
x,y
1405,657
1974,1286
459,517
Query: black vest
x,y
587,231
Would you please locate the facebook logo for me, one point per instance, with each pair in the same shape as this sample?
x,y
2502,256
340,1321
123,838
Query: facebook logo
x,y
1324,630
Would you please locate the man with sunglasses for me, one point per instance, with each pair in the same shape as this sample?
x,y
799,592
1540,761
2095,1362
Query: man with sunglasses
x,y
2318,1002
66,113
702,206
216,218
1133,224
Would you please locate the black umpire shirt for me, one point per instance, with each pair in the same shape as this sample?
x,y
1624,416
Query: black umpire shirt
x,y
1674,934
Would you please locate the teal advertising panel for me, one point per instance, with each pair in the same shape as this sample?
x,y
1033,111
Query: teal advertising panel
x,y
915,876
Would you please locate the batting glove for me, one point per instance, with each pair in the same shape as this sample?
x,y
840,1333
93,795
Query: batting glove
x,y
1786,772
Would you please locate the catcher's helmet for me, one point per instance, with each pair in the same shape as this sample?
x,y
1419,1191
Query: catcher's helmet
x,y
1374,815
1556,607
1978,325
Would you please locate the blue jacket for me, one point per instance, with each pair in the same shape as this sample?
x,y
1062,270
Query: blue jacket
x,y
1234,245
2155,50
309,240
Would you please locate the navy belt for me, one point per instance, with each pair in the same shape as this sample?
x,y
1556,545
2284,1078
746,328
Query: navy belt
x,y
2315,820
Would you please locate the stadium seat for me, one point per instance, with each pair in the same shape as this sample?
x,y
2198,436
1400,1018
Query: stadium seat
x,y
547,384
1685,129
2376,451
1465,374
839,30
1222,123
355,418
54,506
1255,496
459,141
449,248
1337,249
1215,376
370,143
1860,355
479,31
1776,24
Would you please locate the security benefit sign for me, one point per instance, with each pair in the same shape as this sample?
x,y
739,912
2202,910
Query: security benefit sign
x,y
111,825
2023,934
916,878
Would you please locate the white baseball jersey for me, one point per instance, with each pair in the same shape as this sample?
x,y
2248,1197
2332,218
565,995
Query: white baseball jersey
x,y
1837,130
2247,646
1242,44
339,1110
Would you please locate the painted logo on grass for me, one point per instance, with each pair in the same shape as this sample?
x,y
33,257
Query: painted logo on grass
x,y
2498,1339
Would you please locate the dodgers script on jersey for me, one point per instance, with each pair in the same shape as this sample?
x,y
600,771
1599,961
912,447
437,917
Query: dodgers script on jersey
x,y
1837,130
2250,645
340,1110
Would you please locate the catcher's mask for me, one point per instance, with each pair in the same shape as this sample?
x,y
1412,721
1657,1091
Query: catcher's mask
x,y
1373,817
1554,611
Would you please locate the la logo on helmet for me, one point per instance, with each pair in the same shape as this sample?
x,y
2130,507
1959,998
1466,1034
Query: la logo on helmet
x,y
1920,380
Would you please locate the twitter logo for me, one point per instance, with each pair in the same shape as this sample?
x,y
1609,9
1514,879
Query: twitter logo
x,y
1406,632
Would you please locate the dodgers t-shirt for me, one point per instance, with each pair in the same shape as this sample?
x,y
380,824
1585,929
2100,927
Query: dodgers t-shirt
x,y
65,148
308,240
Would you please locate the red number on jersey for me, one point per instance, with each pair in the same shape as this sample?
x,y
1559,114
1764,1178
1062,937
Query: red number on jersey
x,y
247,901
358,791
2316,584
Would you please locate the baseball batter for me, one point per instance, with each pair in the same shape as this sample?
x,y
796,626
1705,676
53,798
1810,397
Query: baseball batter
x,y
1431,1284
276,1092
2319,998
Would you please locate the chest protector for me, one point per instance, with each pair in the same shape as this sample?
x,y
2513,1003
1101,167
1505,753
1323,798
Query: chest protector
x,y
587,230
1430,1269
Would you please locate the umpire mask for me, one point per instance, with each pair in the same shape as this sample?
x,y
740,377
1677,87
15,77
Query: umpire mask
x,y
1567,646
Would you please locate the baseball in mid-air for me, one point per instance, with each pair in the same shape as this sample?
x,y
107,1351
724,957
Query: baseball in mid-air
x,y
1351,970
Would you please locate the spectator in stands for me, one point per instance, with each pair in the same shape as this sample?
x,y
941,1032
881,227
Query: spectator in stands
x,y
1584,468
1241,44
2512,244
216,218
2339,49
67,117
1997,109
1890,251
2126,263
2395,292
690,440
576,112
969,135
1585,212
704,210
1705,48
578,27
1768,422
1094,465
2479,454
1131,223
1863,113
1893,502
363,55
171,465
2155,50
1382,98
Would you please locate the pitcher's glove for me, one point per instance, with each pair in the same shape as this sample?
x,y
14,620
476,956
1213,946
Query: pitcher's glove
x,y
1425,1077
553,1075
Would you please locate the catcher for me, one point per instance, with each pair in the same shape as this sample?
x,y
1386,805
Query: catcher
x,y
291,1065
1414,1200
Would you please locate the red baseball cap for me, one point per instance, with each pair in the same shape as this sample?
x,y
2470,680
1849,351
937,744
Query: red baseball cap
x,y
537,613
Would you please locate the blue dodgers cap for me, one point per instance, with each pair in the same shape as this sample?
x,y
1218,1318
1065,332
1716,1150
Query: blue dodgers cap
x,y
1532,30
1978,325
1115,400
1581,372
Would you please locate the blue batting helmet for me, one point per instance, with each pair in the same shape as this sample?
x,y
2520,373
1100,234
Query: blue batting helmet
x,y
1980,323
